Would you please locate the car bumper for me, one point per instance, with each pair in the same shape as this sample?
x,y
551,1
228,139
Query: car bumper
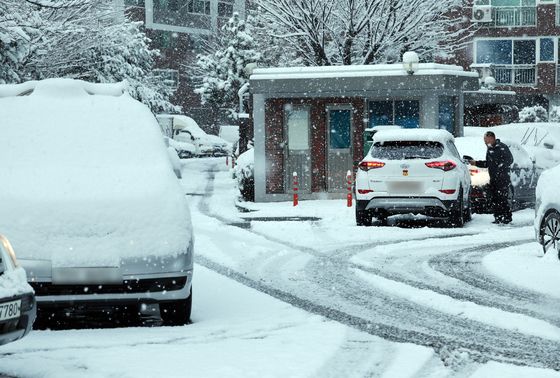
x,y
430,206
145,289
14,329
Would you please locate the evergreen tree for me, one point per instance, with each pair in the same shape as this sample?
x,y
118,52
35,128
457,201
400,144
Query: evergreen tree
x,y
223,72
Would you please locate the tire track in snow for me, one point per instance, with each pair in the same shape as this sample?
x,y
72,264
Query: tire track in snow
x,y
377,313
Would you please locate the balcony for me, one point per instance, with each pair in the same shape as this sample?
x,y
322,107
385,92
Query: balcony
x,y
503,17
524,75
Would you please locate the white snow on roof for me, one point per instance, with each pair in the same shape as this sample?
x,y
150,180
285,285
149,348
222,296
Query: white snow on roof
x,y
86,179
396,69
428,135
63,88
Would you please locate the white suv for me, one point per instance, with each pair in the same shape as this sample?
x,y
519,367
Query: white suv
x,y
413,171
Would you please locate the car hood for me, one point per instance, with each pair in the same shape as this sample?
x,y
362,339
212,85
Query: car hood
x,y
96,227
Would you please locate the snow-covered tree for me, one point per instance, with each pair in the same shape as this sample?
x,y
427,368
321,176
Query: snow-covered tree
x,y
531,114
83,39
222,71
334,32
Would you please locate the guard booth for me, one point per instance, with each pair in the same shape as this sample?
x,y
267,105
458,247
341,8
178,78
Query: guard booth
x,y
313,120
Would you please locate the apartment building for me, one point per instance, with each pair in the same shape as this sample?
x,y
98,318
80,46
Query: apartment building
x,y
516,43
179,29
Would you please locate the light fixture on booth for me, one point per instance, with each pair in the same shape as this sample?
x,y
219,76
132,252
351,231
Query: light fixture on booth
x,y
410,62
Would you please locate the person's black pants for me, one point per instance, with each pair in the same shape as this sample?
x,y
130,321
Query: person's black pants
x,y
500,203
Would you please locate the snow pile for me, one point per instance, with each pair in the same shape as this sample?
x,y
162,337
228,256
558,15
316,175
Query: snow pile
x,y
14,282
527,268
87,179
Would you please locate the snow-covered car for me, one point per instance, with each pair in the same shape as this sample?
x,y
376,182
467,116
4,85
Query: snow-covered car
x,y
17,301
412,171
188,131
523,174
547,211
184,150
106,228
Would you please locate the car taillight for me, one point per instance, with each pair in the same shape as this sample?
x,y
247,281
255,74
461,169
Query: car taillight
x,y
364,191
448,191
443,165
367,165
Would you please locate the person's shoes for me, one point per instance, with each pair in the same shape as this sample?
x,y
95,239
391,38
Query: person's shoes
x,y
506,221
497,221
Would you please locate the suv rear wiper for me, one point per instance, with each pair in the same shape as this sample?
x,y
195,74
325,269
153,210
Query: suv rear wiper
x,y
415,157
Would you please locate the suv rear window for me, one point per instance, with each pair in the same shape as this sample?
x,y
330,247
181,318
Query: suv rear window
x,y
401,150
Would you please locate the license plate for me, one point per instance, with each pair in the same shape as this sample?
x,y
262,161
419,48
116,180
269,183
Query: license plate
x,y
10,310
405,187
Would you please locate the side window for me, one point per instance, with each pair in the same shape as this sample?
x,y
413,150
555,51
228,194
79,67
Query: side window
x,y
453,149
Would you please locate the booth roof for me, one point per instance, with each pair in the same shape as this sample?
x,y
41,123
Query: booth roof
x,y
427,69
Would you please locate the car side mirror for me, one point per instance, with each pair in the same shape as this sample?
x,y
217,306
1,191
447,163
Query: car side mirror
x,y
467,158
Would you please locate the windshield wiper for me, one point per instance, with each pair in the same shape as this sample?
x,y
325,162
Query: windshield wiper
x,y
415,157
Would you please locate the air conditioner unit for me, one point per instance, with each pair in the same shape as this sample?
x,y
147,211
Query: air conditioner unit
x,y
482,13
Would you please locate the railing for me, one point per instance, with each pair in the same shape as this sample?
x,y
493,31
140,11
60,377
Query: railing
x,y
558,75
514,16
516,75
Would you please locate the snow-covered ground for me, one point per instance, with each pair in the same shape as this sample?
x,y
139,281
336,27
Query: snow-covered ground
x,y
324,298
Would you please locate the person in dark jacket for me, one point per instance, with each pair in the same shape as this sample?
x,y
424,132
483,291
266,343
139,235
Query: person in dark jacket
x,y
498,161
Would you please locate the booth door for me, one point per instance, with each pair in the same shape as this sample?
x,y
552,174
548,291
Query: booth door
x,y
298,148
339,121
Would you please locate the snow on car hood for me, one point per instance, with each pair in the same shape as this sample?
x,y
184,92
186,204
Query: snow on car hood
x,y
14,282
86,180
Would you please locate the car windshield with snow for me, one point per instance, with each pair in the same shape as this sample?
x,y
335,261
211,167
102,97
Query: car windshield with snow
x,y
412,171
17,302
95,220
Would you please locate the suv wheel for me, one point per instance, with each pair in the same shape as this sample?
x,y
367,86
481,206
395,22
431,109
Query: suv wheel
x,y
456,218
550,233
176,313
363,218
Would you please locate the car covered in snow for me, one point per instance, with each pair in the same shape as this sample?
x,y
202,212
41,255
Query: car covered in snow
x,y
370,132
524,175
186,130
184,150
105,229
17,301
412,171
547,211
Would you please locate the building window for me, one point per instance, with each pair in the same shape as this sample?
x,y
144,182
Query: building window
x,y
169,77
547,50
297,123
198,7
405,113
514,61
225,8
340,126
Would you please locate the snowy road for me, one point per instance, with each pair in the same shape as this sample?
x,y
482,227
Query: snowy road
x,y
426,286
406,301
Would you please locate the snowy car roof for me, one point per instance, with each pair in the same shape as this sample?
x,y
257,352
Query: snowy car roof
x,y
412,135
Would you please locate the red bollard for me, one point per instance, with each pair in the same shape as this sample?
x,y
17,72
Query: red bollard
x,y
349,183
296,197
227,160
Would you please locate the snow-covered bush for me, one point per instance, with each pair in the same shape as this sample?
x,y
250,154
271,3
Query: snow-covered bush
x,y
222,70
535,113
244,173
554,115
